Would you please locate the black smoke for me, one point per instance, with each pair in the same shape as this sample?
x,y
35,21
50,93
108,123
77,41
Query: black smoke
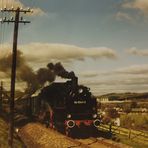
x,y
59,70
34,80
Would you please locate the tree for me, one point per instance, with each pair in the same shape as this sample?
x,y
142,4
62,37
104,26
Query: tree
x,y
134,104
112,113
127,108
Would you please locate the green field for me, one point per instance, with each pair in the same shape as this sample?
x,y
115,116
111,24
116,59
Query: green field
x,y
131,143
4,136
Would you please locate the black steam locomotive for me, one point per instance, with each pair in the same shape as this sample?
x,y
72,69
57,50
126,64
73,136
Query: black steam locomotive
x,y
70,108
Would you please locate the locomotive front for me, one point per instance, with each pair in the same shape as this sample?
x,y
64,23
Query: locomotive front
x,y
81,111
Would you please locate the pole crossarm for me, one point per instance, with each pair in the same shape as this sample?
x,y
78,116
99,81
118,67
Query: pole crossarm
x,y
10,21
18,10
14,10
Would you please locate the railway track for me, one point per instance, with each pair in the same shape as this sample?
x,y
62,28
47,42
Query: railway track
x,y
83,143
101,143
37,135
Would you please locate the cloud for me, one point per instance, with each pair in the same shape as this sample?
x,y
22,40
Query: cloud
x,y
118,81
89,74
130,71
138,52
140,5
41,52
133,78
45,52
123,16
16,3
133,10
117,84
134,70
38,11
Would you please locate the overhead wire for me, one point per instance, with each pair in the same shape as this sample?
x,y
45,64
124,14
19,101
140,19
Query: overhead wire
x,y
5,16
0,24
4,30
33,3
1,32
4,27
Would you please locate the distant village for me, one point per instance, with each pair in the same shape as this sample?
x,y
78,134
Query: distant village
x,y
137,102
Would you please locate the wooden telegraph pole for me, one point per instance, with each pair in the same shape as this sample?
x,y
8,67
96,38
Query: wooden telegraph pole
x,y
1,95
16,22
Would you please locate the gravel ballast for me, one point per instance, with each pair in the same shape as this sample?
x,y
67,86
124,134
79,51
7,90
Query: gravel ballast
x,y
35,135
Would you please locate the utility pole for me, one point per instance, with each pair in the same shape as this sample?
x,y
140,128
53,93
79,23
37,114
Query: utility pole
x,y
1,95
16,22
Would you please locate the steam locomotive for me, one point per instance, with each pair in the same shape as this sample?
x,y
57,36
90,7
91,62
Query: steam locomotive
x,y
70,108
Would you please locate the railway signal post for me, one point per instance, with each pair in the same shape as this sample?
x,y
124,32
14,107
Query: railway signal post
x,y
17,20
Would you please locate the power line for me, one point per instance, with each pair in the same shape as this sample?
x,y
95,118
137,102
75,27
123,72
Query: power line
x,y
33,2
1,33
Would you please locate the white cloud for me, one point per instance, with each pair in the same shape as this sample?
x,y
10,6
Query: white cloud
x,y
133,78
141,5
117,83
40,52
89,74
38,11
45,52
133,10
139,52
123,16
134,70
16,3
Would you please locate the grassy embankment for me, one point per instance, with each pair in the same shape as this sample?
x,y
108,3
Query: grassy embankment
x,y
4,136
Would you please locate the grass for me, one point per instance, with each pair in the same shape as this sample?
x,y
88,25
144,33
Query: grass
x,y
4,136
135,121
123,137
131,143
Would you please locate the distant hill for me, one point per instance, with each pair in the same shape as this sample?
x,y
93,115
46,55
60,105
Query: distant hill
x,y
126,96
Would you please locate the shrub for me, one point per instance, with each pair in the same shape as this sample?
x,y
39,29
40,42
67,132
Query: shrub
x,y
135,121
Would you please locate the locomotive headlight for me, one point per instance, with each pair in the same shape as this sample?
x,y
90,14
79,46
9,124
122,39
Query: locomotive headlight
x,y
69,116
96,123
70,123
94,115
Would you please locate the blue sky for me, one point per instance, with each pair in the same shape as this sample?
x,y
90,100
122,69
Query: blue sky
x,y
103,41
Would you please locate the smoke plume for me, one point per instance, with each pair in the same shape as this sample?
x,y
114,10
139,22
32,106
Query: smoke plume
x,y
34,80
24,72
59,70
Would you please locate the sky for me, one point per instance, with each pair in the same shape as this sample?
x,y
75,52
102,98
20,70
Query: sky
x,y
103,41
